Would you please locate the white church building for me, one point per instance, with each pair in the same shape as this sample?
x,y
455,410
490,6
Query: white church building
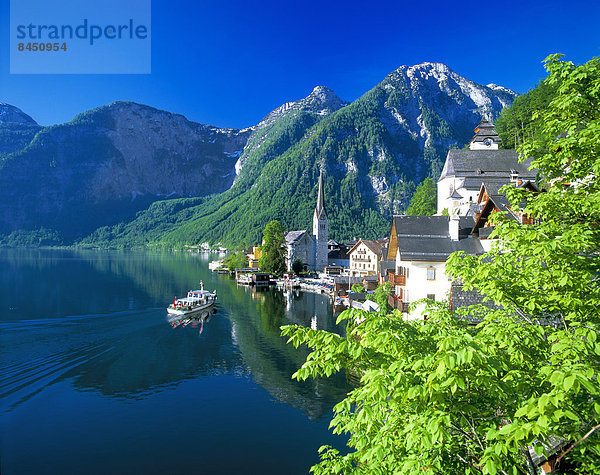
x,y
483,162
310,249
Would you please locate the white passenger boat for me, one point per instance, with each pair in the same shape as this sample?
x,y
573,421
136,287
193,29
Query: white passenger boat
x,y
196,301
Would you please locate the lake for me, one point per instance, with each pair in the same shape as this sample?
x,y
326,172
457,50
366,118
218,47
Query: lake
x,y
94,379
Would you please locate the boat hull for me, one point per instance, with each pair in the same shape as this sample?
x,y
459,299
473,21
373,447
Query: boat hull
x,y
181,312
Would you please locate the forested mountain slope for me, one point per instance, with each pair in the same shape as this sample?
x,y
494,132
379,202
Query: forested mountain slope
x,y
373,153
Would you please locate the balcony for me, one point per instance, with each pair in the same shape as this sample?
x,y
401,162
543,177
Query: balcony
x,y
396,279
396,302
361,259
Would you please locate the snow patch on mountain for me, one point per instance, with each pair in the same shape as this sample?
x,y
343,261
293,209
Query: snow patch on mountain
x,y
9,113
379,184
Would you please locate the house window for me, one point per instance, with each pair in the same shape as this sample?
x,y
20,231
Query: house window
x,y
431,296
431,273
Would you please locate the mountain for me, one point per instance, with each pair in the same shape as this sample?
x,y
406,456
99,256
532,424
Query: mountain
x,y
166,222
17,129
107,164
284,126
373,152
12,114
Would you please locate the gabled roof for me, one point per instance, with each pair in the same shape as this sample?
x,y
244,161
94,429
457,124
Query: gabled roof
x,y
436,249
294,236
485,164
422,226
375,247
499,202
495,202
427,238
490,188
474,184
337,254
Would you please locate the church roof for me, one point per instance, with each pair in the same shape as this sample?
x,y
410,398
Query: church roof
x,y
485,130
484,165
294,236
455,195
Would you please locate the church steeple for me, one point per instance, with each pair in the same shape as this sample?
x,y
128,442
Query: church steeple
x,y
320,228
486,137
320,208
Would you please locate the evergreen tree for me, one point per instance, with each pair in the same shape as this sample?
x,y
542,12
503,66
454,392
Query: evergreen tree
x,y
297,266
424,201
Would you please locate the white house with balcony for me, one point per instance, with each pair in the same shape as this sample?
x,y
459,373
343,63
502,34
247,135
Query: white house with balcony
x,y
365,257
420,246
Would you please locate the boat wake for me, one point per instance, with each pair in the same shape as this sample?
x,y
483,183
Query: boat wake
x,y
39,353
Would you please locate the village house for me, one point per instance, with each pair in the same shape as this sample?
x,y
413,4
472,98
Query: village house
x,y
253,254
490,200
469,189
365,257
419,247
337,254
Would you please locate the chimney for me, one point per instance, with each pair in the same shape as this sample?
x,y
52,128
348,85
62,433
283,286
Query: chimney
x,y
514,177
453,226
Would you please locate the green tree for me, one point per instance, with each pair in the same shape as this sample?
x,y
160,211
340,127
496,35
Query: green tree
x,y
358,288
273,249
424,201
444,396
237,259
521,121
297,266
381,295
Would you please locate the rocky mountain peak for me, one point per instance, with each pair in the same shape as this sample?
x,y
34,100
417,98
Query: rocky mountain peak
x,y
432,66
321,100
13,114
437,80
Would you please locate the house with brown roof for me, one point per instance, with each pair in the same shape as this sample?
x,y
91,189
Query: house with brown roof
x,y
365,257
490,200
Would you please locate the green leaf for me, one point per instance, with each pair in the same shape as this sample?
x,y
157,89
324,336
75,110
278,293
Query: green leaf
x,y
568,382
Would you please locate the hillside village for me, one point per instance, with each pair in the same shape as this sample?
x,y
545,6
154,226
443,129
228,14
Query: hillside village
x,y
413,256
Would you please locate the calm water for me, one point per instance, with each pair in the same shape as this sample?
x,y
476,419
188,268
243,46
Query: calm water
x,y
93,379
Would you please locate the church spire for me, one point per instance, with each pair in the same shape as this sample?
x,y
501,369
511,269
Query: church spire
x,y
486,137
320,198
320,228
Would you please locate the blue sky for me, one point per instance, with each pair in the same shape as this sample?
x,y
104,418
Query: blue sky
x,y
228,63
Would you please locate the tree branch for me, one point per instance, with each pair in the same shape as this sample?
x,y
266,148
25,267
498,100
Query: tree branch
x,y
590,432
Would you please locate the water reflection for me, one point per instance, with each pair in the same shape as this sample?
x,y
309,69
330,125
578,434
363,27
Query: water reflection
x,y
95,376
97,320
198,319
